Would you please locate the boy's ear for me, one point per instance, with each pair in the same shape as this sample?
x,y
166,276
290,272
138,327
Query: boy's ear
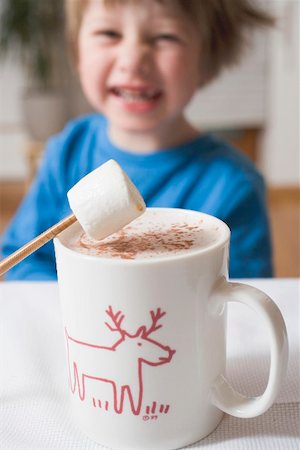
x,y
202,77
205,76
201,81
204,80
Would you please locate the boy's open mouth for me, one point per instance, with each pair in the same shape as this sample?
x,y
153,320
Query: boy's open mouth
x,y
136,95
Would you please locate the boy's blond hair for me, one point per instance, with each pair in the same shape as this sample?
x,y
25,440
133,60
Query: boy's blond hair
x,y
221,24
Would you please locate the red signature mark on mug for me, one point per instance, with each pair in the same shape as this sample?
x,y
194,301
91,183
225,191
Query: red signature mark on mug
x,y
105,364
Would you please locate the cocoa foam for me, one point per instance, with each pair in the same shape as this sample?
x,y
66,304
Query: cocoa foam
x,y
155,234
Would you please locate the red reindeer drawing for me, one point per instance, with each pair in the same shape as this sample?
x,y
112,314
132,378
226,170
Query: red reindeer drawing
x,y
121,365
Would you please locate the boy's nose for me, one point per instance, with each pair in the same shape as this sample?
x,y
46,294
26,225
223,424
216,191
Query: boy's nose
x,y
134,59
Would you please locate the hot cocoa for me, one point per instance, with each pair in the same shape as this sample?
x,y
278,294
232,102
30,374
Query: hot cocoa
x,y
155,234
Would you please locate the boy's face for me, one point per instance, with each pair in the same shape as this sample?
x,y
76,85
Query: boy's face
x,y
138,63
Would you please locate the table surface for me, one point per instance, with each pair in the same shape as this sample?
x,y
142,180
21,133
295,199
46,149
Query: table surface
x,y
34,407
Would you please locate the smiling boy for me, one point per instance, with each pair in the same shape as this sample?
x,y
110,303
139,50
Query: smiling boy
x,y
139,63
139,66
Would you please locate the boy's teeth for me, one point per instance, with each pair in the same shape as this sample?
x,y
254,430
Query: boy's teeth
x,y
135,95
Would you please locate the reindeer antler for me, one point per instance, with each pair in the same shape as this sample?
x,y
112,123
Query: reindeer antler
x,y
155,316
116,318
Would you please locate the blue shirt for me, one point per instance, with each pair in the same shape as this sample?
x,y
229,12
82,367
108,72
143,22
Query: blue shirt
x,y
205,175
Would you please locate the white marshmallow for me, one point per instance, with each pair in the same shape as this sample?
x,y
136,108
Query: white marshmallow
x,y
105,200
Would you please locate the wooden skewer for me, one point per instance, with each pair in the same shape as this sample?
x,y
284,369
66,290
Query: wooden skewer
x,y
32,246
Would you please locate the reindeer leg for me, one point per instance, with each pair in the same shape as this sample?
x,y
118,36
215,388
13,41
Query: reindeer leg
x,y
118,393
81,386
135,396
73,375
79,380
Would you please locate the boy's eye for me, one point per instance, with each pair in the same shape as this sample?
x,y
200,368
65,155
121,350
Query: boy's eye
x,y
167,37
108,34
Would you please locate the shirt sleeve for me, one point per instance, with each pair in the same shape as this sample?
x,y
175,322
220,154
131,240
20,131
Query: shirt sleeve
x,y
250,245
39,210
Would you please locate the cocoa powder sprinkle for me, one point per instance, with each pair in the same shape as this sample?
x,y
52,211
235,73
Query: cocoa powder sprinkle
x,y
126,245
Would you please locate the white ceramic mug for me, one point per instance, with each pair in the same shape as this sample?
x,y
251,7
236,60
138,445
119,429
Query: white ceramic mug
x,y
146,343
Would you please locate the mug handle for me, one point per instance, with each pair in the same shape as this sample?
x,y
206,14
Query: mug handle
x,y
223,396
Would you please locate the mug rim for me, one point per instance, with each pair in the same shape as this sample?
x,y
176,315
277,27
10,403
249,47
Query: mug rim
x,y
194,252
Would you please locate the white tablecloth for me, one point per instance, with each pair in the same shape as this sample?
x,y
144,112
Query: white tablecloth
x,y
34,407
